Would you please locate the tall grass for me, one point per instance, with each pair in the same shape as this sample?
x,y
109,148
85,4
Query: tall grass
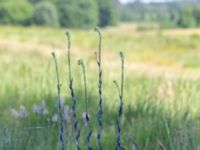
x,y
158,112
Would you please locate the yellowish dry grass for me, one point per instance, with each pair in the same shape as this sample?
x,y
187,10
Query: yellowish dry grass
x,y
156,52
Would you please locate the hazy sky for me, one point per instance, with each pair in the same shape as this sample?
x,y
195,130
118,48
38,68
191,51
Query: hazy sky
x,y
147,1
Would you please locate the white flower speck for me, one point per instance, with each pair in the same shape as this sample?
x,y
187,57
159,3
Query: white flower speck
x,y
86,118
54,118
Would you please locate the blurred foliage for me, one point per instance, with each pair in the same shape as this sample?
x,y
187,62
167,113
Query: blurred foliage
x,y
67,13
45,13
35,1
189,16
12,13
78,14
90,13
183,13
187,19
108,13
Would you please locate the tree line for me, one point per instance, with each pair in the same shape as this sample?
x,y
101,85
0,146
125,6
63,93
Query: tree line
x,y
89,13
185,13
56,13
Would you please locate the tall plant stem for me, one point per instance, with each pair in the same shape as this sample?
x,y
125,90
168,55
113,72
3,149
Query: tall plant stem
x,y
81,63
100,113
121,90
73,95
62,138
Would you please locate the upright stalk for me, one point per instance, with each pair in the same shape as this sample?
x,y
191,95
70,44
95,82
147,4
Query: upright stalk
x,y
100,113
73,95
88,140
81,63
120,89
62,138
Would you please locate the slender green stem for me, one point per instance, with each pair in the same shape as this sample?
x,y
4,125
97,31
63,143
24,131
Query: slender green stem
x,y
62,138
122,74
100,113
77,137
69,55
121,90
81,63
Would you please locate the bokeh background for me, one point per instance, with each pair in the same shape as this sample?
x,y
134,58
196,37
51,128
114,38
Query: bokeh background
x,y
160,40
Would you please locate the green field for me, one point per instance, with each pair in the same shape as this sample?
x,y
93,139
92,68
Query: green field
x,y
161,93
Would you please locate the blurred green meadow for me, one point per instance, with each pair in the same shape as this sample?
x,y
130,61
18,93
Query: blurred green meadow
x,y
161,93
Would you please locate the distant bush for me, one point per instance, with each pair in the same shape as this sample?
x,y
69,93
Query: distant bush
x,y
187,18
78,14
197,14
35,1
67,13
108,12
12,13
45,13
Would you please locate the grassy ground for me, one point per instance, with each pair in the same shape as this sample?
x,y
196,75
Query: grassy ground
x,y
161,103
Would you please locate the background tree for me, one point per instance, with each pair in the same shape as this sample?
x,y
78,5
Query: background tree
x,y
12,13
196,14
108,12
77,14
45,13
187,18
